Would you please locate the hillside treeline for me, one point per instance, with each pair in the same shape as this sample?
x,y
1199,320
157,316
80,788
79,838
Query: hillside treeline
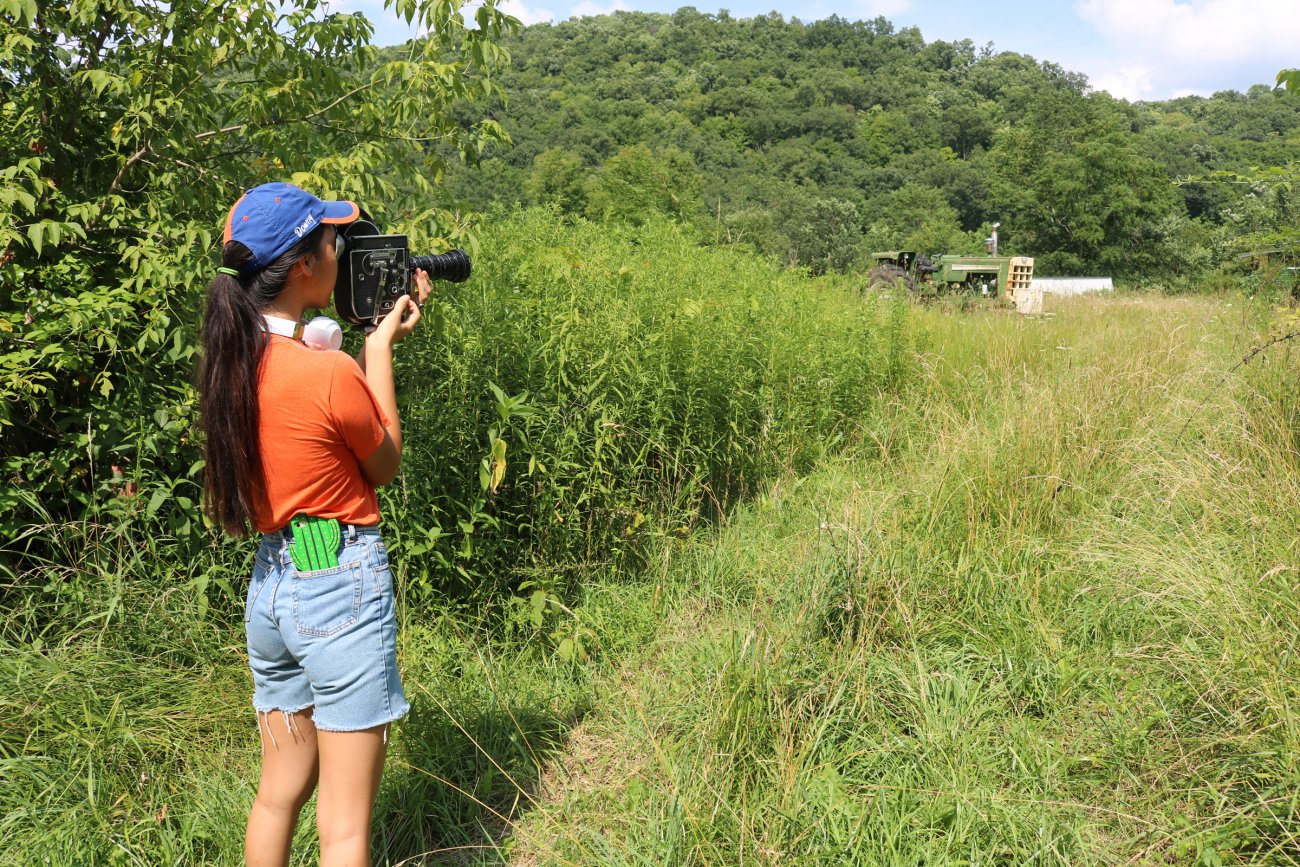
x,y
818,143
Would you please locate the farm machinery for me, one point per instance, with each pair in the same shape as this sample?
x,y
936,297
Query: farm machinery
x,y
988,275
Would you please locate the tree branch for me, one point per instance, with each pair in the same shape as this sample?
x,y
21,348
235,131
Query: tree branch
x,y
202,171
236,128
135,158
138,155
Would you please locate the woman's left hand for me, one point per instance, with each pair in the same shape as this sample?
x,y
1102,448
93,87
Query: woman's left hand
x,y
424,287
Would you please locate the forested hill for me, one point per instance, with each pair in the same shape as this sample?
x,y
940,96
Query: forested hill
x,y
820,142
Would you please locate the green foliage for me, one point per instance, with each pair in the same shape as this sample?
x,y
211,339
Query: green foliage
x,y
593,391
1079,195
915,217
980,637
126,132
1262,212
635,184
597,388
790,123
558,178
940,654
820,234
995,643
590,398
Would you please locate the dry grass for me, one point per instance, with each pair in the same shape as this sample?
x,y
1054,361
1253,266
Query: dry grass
x,y
1042,623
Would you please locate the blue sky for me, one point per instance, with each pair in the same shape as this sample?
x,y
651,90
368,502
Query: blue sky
x,y
1135,49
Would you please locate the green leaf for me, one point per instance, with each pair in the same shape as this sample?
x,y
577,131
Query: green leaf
x,y
565,649
155,502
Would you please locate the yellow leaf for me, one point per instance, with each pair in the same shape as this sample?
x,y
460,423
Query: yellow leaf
x,y
498,463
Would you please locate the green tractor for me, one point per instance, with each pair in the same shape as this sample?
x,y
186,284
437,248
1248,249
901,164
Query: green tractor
x,y
988,275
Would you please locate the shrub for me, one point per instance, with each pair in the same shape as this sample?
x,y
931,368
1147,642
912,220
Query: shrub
x,y
593,387
126,131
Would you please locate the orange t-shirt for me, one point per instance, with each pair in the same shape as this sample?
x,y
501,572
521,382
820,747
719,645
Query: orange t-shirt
x,y
317,421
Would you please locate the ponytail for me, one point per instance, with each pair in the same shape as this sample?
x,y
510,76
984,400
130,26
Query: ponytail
x,y
234,340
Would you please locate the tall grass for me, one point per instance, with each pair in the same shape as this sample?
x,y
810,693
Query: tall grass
x,y
1042,628
1044,613
637,384
592,396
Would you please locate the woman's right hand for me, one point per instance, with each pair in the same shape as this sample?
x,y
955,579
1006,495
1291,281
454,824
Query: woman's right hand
x,y
398,324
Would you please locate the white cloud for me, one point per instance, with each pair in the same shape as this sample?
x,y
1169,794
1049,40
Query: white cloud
x,y
1124,82
390,28
590,7
1198,30
372,9
1162,47
522,12
887,8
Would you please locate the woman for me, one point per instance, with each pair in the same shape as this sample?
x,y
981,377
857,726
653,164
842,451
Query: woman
x,y
303,435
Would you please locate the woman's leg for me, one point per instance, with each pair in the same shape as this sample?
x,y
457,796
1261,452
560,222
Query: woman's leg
x,y
290,766
350,766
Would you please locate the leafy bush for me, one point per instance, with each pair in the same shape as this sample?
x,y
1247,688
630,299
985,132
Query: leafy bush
x,y
593,387
590,390
126,131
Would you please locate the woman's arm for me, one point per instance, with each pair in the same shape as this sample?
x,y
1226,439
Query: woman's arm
x,y
376,362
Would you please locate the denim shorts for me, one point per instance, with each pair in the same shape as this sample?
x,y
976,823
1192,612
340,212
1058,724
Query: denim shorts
x,y
327,637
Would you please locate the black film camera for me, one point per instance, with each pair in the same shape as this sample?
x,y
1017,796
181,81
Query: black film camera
x,y
376,269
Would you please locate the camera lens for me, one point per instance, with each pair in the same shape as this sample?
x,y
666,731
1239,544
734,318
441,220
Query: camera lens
x,y
453,266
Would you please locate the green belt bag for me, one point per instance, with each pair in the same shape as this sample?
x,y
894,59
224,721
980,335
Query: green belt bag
x,y
316,543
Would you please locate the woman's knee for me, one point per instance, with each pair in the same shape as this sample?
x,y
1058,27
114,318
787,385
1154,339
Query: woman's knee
x,y
285,799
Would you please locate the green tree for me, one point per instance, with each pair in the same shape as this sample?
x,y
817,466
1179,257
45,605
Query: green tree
x,y
1074,190
965,124
884,135
915,217
851,111
558,176
821,234
126,131
1265,213
635,183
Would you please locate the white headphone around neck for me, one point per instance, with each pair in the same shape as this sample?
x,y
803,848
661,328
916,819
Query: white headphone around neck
x,y
320,333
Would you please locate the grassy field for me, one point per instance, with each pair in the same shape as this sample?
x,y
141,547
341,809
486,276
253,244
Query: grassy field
x,y
594,398
1049,618
1044,613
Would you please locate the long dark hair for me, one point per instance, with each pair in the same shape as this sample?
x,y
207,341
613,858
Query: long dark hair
x,y
234,339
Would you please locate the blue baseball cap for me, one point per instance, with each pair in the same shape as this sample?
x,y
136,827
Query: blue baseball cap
x,y
273,217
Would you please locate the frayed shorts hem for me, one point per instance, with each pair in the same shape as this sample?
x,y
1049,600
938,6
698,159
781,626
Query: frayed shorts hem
x,y
274,709
351,728
392,718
